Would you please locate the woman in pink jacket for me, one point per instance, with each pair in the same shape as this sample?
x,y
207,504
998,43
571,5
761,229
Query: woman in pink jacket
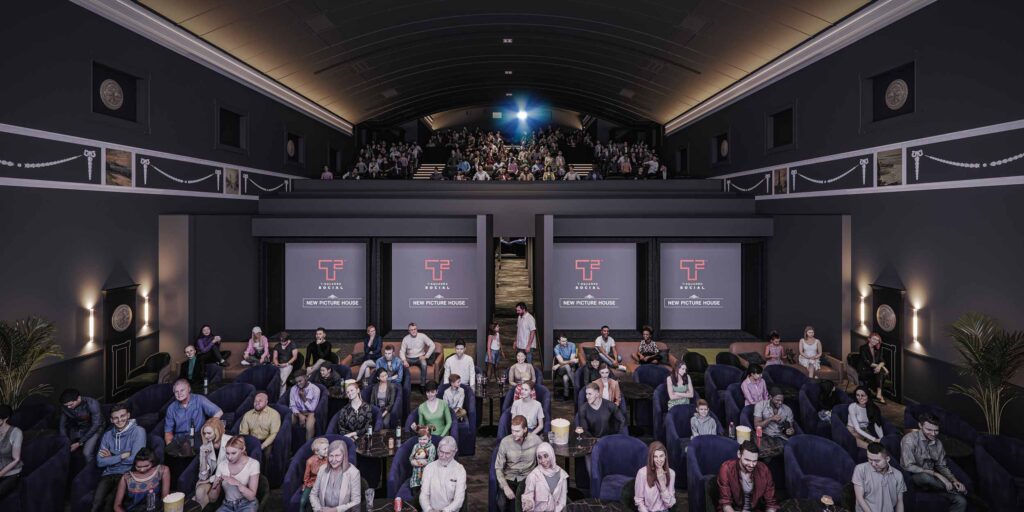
x,y
655,488
545,486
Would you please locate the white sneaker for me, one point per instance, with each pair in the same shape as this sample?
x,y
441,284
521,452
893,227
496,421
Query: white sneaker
x,y
622,368
245,363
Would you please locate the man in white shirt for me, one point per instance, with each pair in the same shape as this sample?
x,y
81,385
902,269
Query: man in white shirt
x,y
526,331
605,346
481,175
416,349
460,364
444,480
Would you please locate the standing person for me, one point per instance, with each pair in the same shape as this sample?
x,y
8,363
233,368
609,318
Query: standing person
x,y
192,369
526,331
284,357
422,454
238,477
493,349
313,464
81,422
303,401
211,454
209,346
745,484
566,362
600,417
873,371
10,453
443,486
655,487
864,419
924,459
877,486
810,352
647,352
147,481
679,386
701,423
337,487
373,346
261,422
516,458
187,414
392,365
529,408
319,353
461,364
433,412
547,485
258,350
118,448
605,346
754,388
774,416
417,348
773,351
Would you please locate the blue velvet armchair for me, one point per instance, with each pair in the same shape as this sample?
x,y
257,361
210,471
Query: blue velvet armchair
x,y
810,404
148,404
83,487
186,482
264,377
276,461
615,461
732,402
492,484
1000,465
716,379
678,437
291,488
652,375
299,433
703,458
660,409
234,399
815,467
33,416
44,476
401,469
952,425
467,435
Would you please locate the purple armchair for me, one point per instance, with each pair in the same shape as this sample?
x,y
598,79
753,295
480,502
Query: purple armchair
x,y
148,404
703,458
615,461
263,377
299,433
292,486
787,377
492,484
275,463
716,379
83,487
732,400
952,425
810,404
44,476
843,437
1000,465
186,482
917,498
394,417
678,436
234,399
816,466
401,469
467,436
660,410
33,416
652,375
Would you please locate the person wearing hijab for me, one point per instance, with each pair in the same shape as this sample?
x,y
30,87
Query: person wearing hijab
x,y
337,483
545,488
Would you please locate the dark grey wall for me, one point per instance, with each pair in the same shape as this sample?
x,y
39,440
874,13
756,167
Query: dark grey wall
x,y
225,281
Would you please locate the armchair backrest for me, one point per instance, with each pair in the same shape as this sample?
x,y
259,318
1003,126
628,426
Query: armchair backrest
x,y
819,456
616,454
236,397
782,375
263,377
679,417
156,362
707,453
695,362
150,399
651,374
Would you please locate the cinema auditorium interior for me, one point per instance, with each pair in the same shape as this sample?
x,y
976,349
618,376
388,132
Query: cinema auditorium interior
x,y
240,274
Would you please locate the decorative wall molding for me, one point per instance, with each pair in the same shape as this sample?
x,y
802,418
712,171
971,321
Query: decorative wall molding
x,y
987,156
93,165
859,25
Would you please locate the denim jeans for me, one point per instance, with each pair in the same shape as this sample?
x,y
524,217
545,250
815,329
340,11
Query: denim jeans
x,y
928,483
242,505
422,363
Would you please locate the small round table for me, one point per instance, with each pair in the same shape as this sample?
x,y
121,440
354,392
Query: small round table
x,y
490,392
382,444
634,392
593,505
572,451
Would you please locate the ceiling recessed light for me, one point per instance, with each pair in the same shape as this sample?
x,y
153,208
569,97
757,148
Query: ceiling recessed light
x,y
506,40
508,71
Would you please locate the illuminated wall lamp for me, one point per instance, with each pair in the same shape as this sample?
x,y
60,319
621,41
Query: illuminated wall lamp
x,y
92,326
145,312
863,318
913,326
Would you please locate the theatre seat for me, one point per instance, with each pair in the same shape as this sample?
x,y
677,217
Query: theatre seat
x,y
83,487
1000,463
716,380
467,434
147,405
149,373
652,376
810,404
44,476
614,461
704,457
291,488
840,414
320,414
832,368
815,467
678,436
275,463
264,377
401,469
233,399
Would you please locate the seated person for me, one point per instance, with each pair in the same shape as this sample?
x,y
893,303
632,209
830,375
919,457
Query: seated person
x,y
605,346
182,421
864,420
337,485
356,417
238,477
924,459
258,350
547,485
701,423
392,365
592,371
516,458
877,486
81,422
383,393
208,346
520,371
529,408
211,454
313,464
372,350
744,483
461,364
565,366
146,481
10,453
118,448
827,399
774,417
754,388
810,352
609,386
303,401
774,350
261,422
422,453
655,487
192,369
443,486
434,413
284,356
647,352
319,352
455,397
329,378
417,348
600,417
872,371
679,386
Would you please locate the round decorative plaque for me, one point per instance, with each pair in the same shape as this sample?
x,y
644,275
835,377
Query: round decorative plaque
x,y
111,94
290,148
886,318
122,318
723,147
896,94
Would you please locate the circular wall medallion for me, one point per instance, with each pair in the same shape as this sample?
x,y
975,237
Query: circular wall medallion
x,y
111,94
122,318
290,148
723,147
896,94
886,318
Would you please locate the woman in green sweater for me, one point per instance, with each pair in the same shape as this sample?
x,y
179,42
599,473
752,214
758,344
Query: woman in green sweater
x,y
434,412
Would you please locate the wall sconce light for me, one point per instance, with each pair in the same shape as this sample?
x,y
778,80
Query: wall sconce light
x,y
145,312
92,326
913,326
863,318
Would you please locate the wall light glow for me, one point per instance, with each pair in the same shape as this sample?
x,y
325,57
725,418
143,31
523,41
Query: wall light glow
x,y
145,312
92,326
863,318
913,326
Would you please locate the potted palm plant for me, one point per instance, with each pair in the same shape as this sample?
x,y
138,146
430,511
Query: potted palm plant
x,y
991,357
23,345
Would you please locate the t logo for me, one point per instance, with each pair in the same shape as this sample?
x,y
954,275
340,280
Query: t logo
x,y
437,268
587,268
692,267
330,268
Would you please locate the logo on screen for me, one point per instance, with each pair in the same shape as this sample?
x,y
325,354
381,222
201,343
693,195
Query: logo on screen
x,y
587,268
437,268
330,268
692,268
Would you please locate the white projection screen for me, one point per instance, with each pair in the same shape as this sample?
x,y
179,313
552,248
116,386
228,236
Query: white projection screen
x,y
700,286
325,285
432,284
594,285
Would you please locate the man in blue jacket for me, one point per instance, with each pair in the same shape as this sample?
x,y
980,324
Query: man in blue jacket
x,y
117,452
81,421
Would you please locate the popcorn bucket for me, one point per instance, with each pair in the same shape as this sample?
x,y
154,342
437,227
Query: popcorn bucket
x,y
560,429
174,502
742,433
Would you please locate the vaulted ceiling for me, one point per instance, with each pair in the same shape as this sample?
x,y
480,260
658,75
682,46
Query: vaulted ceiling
x,y
387,61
